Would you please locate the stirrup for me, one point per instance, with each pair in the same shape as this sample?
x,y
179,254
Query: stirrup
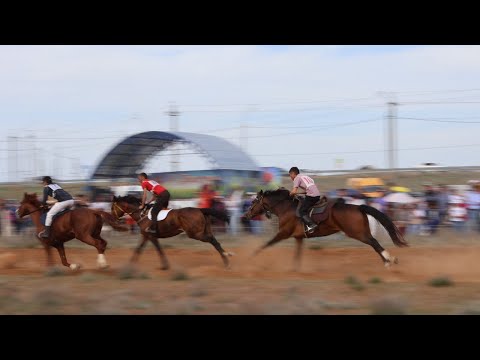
x,y
311,228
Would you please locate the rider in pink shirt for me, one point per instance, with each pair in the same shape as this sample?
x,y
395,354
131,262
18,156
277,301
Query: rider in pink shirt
x,y
308,186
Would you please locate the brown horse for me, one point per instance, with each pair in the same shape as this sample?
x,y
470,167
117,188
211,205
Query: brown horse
x,y
193,221
351,219
82,223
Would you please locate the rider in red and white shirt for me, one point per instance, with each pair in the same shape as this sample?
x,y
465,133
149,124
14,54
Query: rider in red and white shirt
x,y
160,194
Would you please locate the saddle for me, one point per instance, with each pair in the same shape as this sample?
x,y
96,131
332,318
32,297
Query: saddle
x,y
318,212
43,217
147,211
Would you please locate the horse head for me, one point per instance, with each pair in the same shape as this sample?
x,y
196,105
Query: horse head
x,y
28,205
122,205
256,208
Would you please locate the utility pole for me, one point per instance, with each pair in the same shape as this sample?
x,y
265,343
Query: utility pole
x,y
392,135
173,114
391,131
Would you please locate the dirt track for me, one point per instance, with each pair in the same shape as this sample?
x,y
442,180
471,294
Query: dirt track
x,y
331,281
416,264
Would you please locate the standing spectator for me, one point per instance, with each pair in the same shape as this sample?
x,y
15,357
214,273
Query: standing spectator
x,y
416,220
457,213
247,202
433,218
430,196
206,197
379,203
402,218
234,206
473,208
455,197
2,205
218,204
442,200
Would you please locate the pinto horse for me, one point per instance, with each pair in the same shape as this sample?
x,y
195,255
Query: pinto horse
x,y
193,221
81,223
351,219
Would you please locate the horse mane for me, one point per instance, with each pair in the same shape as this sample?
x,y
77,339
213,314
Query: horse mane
x,y
278,194
130,199
32,198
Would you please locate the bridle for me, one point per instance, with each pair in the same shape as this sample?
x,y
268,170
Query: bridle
x,y
267,212
272,206
116,206
31,212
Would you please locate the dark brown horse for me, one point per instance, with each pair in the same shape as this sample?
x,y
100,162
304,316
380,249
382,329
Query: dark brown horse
x,y
351,219
82,223
193,221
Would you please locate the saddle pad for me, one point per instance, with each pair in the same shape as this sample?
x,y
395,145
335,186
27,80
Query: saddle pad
x,y
161,215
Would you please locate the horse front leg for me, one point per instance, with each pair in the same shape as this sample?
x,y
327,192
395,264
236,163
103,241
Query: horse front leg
x,y
280,236
163,257
139,248
298,254
48,250
61,251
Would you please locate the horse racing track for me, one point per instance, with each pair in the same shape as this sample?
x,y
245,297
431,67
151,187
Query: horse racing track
x,y
430,278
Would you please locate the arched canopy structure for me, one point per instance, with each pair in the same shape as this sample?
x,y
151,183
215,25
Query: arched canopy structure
x,y
130,155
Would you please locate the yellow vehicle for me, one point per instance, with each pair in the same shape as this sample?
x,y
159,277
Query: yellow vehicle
x,y
370,187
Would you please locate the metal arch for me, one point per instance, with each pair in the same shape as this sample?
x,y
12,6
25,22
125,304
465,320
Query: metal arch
x,y
130,155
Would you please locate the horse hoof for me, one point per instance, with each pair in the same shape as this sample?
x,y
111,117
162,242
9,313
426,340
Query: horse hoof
x,y
74,266
388,264
229,253
395,260
164,268
103,267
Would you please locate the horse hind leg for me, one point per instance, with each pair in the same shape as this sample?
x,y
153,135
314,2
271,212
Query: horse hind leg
x,y
224,254
101,246
209,234
384,254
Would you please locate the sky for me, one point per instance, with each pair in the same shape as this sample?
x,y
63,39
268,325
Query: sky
x,y
315,107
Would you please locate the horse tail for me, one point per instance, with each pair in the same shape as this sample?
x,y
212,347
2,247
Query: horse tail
x,y
383,219
110,220
222,215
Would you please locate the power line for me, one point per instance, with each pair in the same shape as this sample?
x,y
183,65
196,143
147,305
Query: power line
x,y
439,120
286,103
372,151
305,132
427,92
285,110
437,102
